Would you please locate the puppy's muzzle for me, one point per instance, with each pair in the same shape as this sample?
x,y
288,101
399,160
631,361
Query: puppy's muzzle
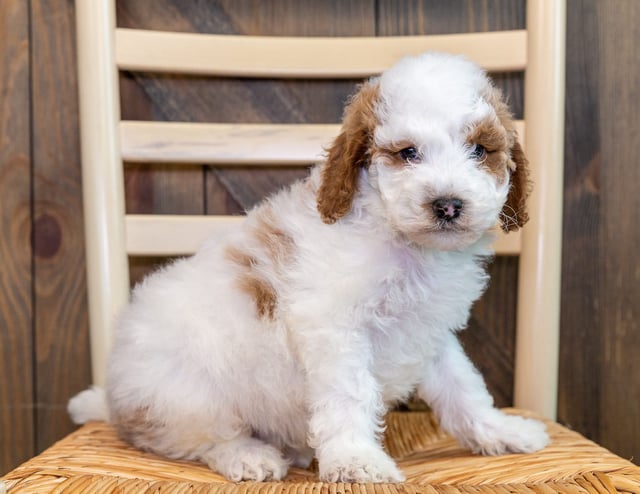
x,y
447,208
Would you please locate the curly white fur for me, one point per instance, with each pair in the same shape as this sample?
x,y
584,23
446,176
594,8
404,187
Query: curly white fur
x,y
293,336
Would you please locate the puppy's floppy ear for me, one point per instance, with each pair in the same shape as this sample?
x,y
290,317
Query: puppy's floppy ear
x,y
348,154
514,213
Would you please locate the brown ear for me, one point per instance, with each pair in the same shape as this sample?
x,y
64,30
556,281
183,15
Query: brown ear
x,y
348,154
514,213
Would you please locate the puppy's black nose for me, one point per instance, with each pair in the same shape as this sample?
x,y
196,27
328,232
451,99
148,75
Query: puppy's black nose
x,y
447,208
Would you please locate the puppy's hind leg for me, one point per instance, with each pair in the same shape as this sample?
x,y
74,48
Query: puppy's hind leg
x,y
246,458
223,442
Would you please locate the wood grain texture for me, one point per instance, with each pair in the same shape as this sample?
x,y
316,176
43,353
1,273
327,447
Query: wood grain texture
x,y
16,338
600,369
580,319
61,328
619,71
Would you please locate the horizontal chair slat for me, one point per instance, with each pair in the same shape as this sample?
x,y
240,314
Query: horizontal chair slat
x,y
229,144
329,57
270,144
172,235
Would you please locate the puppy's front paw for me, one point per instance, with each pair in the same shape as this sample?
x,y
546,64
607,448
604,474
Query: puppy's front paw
x,y
504,433
359,466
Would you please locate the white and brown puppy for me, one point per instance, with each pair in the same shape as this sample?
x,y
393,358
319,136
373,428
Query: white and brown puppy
x,y
337,297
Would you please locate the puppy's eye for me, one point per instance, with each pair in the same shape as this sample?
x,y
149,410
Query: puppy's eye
x,y
410,155
478,152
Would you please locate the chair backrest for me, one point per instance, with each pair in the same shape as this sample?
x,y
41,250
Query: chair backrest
x,y
107,141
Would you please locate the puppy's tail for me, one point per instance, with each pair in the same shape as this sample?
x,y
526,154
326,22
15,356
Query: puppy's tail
x,y
89,405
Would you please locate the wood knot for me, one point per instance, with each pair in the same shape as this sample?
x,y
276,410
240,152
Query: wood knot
x,y
47,236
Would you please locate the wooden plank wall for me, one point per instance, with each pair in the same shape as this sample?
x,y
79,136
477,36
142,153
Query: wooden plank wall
x,y
599,365
60,320
16,312
43,320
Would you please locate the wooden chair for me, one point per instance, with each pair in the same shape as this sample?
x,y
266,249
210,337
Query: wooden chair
x,y
92,459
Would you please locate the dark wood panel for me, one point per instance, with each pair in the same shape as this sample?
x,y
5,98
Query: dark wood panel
x,y
600,337
580,320
619,71
61,330
276,17
453,16
16,339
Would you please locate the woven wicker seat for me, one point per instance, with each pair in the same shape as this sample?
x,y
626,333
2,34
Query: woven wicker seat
x,y
93,459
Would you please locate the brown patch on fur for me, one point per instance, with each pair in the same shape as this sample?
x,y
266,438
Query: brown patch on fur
x,y
279,244
254,285
347,155
494,138
239,257
262,293
515,207
514,213
273,248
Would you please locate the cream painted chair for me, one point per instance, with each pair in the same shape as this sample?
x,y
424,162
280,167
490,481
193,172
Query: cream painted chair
x,y
94,460
107,141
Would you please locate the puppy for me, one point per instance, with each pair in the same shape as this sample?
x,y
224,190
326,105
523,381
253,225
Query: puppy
x,y
337,297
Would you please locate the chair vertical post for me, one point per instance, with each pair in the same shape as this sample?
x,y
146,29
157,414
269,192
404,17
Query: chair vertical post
x,y
102,174
538,317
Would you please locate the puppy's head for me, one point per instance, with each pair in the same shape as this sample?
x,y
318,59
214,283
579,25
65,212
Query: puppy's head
x,y
434,140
